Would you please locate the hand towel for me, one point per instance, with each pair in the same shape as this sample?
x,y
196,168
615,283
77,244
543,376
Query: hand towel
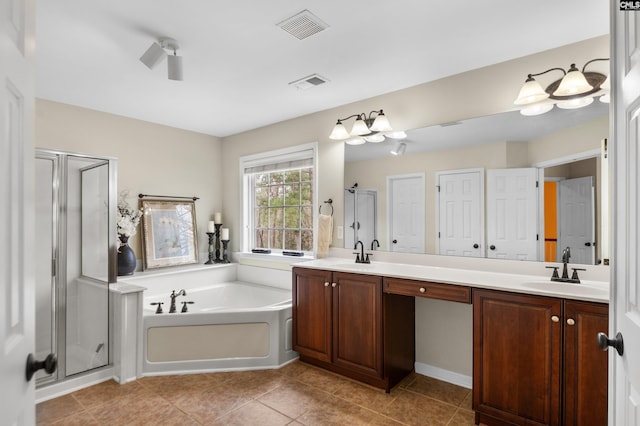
x,y
325,234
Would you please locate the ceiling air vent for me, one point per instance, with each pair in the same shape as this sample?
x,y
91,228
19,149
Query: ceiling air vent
x,y
303,25
308,82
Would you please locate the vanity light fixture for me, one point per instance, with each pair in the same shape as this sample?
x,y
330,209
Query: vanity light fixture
x,y
575,90
365,128
156,53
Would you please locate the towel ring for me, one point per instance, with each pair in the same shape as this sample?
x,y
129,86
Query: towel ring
x,y
330,202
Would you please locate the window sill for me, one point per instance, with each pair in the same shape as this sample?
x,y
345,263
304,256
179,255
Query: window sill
x,y
275,258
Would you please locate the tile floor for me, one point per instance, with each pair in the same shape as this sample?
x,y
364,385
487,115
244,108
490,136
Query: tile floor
x,y
297,394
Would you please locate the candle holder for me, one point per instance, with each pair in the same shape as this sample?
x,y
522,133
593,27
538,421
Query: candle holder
x,y
225,257
210,261
217,233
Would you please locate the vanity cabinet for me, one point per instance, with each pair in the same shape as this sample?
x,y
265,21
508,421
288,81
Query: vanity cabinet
x,y
345,323
536,360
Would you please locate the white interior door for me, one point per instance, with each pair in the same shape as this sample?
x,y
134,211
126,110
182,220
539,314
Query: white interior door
x,y
406,213
512,214
577,219
17,298
461,213
624,371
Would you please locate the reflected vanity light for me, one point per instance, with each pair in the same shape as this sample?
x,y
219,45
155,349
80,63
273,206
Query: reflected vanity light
x,y
575,90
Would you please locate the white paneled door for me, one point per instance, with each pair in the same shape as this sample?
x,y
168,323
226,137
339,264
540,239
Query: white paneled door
x,y
406,213
577,219
624,372
17,299
512,214
461,212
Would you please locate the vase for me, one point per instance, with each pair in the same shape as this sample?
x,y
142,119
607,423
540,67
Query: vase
x,y
126,257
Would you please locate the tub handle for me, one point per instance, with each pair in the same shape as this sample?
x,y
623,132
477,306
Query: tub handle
x,y
159,308
184,306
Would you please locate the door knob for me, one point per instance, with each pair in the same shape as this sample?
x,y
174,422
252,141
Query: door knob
x,y
395,241
492,247
49,365
587,244
604,342
476,246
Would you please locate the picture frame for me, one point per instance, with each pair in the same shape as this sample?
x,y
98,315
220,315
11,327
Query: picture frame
x,y
168,233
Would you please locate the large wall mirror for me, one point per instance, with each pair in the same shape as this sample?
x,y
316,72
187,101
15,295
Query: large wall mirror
x,y
560,151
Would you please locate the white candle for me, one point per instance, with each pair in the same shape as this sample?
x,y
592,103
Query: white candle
x,y
225,234
211,227
217,217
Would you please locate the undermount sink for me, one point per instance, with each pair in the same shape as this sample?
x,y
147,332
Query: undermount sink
x,y
571,288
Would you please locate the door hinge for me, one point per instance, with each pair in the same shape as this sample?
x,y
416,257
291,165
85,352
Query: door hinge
x,y
537,184
438,234
53,267
537,237
438,186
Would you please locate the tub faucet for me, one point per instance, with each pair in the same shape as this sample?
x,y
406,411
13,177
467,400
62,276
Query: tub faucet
x,y
172,309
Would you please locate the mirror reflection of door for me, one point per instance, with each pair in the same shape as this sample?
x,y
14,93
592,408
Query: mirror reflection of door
x,y
576,212
460,200
406,213
512,214
360,215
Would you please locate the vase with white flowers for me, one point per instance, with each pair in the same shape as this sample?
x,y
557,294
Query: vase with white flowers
x,y
128,219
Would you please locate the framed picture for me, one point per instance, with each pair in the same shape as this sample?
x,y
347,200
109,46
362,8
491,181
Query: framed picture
x,y
168,233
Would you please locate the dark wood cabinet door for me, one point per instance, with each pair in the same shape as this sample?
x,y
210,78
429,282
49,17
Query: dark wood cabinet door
x,y
357,326
312,313
585,364
517,358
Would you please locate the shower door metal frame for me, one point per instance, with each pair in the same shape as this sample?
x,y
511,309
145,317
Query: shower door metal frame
x,y
59,240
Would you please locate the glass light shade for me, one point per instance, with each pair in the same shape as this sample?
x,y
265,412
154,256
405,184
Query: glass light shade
x,y
381,124
153,56
573,83
537,109
576,103
174,67
400,134
605,98
355,141
339,132
375,138
359,128
531,92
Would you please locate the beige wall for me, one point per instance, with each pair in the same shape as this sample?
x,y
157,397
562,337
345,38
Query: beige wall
x,y
152,159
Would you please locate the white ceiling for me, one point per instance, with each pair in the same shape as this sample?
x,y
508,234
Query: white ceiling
x,y
238,63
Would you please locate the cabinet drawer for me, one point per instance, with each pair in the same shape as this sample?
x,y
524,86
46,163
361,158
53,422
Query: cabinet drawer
x,y
453,293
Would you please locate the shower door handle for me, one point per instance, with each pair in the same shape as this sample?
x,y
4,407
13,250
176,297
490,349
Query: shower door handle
x,y
49,365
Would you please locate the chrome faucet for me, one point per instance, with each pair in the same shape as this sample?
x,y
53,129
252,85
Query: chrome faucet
x,y
172,308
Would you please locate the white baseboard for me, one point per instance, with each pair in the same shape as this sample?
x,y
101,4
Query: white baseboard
x,y
64,387
444,375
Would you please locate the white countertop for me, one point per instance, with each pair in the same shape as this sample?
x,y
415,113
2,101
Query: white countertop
x,y
587,290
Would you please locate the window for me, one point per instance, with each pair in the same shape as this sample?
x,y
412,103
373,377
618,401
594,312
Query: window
x,y
279,200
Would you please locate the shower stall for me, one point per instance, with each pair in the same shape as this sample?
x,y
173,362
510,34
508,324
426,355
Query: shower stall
x,y
360,216
75,261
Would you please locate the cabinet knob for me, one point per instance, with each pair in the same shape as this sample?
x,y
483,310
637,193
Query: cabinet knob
x,y
555,318
571,321
333,284
326,284
423,290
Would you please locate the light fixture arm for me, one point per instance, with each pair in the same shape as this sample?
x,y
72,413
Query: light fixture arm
x,y
530,76
593,60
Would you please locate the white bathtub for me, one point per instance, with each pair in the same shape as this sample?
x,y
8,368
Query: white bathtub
x,y
233,325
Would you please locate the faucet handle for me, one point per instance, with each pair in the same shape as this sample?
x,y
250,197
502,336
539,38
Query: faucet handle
x,y
358,257
184,306
574,276
159,308
554,275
